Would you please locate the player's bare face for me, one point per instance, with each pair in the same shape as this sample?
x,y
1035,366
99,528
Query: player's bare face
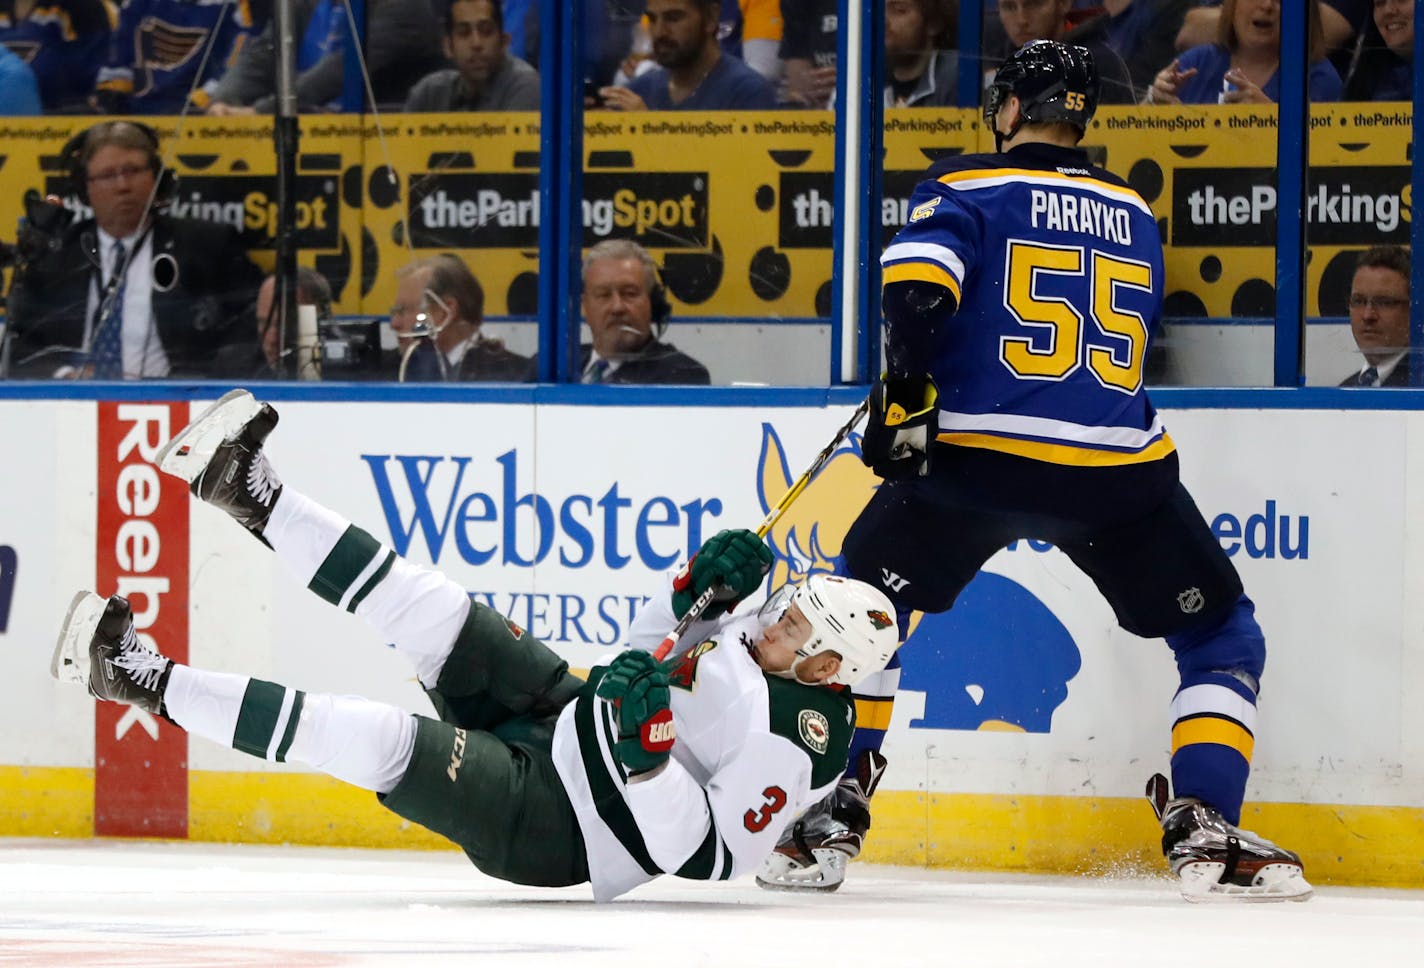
x,y
775,651
120,182
678,31
1258,24
616,306
475,43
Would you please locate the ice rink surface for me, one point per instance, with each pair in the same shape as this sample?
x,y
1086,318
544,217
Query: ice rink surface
x,y
164,905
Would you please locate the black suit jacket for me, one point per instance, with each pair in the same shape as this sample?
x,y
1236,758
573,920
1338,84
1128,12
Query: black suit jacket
x,y
486,361
1399,377
205,309
657,362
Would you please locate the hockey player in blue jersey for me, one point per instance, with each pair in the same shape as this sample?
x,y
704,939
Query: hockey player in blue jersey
x,y
1019,299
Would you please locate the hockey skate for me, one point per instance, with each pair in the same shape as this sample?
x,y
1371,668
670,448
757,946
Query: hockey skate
x,y
814,852
220,456
1216,861
99,648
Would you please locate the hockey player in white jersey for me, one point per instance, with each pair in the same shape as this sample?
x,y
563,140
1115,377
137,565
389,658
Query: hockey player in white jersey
x,y
692,767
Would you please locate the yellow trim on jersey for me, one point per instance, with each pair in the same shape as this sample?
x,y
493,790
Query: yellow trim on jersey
x,y
1061,453
873,713
1007,174
1210,729
920,272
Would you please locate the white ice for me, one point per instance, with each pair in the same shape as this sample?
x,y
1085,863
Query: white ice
x,y
160,904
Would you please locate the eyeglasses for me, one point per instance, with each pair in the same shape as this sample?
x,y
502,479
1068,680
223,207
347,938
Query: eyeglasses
x,y
1378,302
112,176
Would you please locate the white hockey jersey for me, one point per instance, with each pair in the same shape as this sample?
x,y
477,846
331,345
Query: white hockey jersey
x,y
752,752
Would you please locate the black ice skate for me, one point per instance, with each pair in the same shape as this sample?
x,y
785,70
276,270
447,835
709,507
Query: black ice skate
x,y
813,853
1217,861
220,456
98,647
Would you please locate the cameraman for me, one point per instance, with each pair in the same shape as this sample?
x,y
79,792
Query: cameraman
x,y
131,293
260,358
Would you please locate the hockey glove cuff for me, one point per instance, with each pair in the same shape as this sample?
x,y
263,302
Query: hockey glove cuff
x,y
904,418
637,686
733,562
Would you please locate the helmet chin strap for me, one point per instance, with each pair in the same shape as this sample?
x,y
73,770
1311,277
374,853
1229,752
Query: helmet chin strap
x,y
790,671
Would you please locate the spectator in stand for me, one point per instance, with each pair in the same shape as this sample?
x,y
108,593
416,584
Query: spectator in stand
x,y
1242,66
63,41
808,50
19,94
750,30
1383,67
486,77
1340,21
402,46
158,48
921,66
1141,32
1379,317
692,74
1026,20
627,313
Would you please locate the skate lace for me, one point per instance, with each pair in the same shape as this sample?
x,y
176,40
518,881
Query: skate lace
x,y
262,481
143,665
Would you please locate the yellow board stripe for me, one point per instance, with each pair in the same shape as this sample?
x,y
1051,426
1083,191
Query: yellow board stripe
x,y
1211,729
920,272
1061,453
985,832
873,713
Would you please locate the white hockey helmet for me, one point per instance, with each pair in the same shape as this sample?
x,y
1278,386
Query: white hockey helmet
x,y
850,618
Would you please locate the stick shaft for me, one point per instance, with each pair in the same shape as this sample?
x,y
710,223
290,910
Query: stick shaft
x,y
699,605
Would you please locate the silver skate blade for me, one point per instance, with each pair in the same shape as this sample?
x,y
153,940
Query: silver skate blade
x,y
71,652
188,453
1273,882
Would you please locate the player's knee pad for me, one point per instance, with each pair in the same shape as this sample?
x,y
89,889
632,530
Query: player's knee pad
x,y
1232,644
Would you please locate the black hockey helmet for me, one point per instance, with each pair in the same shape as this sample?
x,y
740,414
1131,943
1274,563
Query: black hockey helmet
x,y
1053,82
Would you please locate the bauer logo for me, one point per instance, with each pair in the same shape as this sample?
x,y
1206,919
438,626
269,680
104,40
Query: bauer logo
x,y
467,210
1237,206
999,660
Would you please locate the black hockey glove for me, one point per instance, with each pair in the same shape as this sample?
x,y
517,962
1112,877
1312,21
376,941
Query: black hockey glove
x,y
637,686
734,562
904,418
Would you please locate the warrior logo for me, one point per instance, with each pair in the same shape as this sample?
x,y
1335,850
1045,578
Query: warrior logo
x,y
1191,601
814,729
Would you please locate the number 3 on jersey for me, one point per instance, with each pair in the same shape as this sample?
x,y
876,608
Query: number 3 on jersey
x,y
756,820
1114,344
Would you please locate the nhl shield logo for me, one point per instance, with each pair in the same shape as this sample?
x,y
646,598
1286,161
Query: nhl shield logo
x,y
814,729
1191,601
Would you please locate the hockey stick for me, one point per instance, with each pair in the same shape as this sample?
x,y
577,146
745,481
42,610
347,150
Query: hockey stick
x,y
699,605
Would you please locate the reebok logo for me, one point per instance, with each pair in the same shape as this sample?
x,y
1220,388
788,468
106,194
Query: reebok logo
x,y
892,581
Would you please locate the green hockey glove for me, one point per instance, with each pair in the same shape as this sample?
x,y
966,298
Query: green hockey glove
x,y
637,686
904,418
734,562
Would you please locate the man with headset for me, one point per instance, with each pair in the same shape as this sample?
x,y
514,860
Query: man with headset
x,y
132,292
627,312
439,311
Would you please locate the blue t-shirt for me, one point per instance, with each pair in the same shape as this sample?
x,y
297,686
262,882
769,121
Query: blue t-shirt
x,y
729,86
19,94
1213,61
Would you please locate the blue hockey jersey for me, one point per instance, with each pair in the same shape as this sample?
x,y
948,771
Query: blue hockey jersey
x,y
1057,270
63,41
160,46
